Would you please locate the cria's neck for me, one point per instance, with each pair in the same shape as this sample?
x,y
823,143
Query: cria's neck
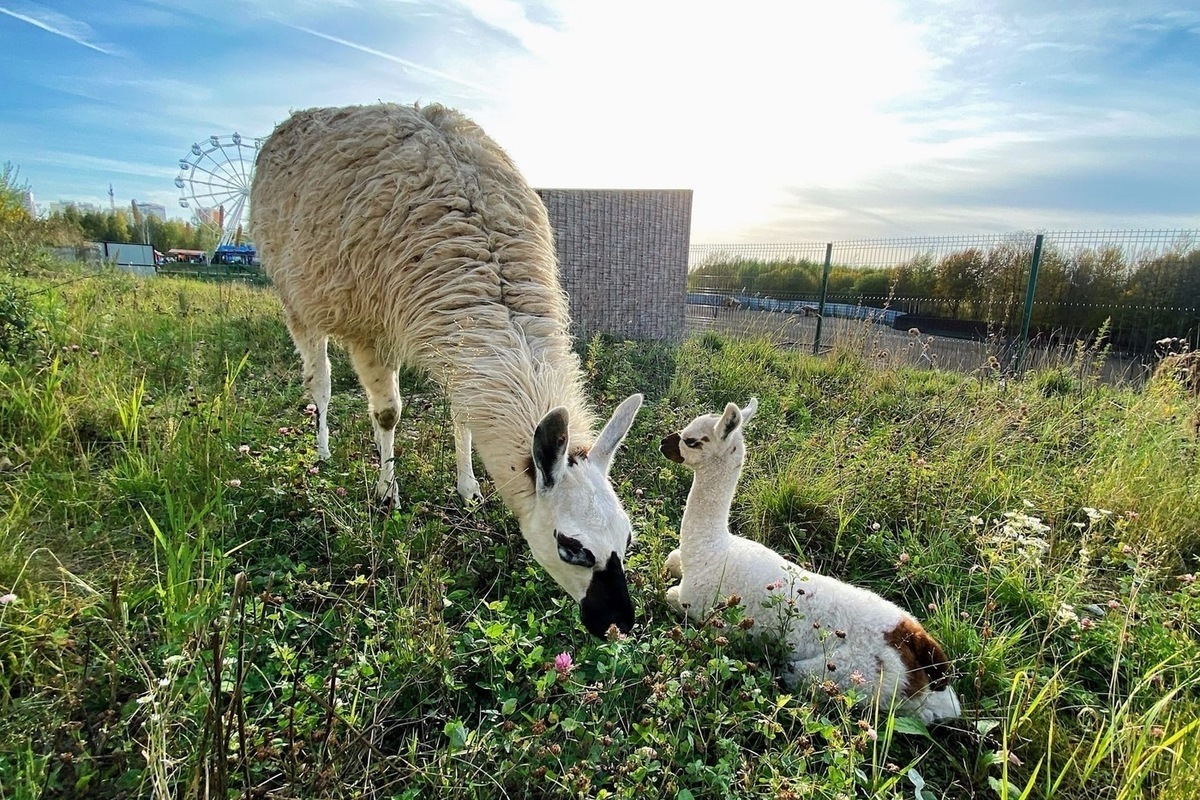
x,y
706,516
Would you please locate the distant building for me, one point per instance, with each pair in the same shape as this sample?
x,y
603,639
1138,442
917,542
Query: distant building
x,y
60,206
28,203
210,216
155,210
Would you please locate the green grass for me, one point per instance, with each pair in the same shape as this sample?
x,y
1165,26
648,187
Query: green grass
x,y
199,612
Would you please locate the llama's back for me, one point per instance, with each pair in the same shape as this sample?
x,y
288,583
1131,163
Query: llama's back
x,y
405,229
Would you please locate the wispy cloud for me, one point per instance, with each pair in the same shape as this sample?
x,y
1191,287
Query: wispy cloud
x,y
60,25
412,65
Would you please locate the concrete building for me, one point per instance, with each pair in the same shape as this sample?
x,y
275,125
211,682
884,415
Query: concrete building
x,y
28,202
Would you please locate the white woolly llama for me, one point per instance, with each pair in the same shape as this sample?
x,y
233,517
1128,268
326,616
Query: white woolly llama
x,y
408,235
833,631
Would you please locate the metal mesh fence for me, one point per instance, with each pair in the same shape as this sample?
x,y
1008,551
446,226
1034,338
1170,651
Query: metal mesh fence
x,y
623,259
961,301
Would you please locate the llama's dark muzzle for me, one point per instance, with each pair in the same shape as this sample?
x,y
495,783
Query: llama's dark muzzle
x,y
607,600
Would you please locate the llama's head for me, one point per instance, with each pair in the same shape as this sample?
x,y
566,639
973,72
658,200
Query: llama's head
x,y
577,528
711,439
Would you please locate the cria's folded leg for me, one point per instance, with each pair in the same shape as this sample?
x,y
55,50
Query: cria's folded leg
x,y
468,487
383,402
799,672
674,564
935,706
314,356
674,600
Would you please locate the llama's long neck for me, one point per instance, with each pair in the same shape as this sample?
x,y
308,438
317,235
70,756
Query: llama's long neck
x,y
503,394
705,524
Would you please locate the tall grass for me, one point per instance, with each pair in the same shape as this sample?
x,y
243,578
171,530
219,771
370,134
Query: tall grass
x,y
196,608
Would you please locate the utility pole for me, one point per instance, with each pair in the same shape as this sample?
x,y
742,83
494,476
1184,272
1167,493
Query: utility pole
x,y
112,200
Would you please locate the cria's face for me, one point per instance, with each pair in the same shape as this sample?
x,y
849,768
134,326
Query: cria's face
x,y
711,438
577,528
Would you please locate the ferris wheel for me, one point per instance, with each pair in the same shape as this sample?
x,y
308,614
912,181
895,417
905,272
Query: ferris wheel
x,y
214,180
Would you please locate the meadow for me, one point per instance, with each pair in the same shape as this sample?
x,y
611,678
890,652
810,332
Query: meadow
x,y
191,607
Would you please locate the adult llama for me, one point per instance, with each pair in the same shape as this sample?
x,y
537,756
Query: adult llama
x,y
408,235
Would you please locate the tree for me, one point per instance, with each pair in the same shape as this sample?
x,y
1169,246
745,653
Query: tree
x,y
960,278
12,210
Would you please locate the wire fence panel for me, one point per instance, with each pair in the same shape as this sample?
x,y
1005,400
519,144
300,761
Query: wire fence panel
x,y
959,301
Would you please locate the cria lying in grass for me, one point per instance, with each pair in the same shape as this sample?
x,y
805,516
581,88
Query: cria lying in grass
x,y
833,631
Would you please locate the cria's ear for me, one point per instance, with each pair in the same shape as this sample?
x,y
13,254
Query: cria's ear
x,y
614,432
750,410
729,422
550,449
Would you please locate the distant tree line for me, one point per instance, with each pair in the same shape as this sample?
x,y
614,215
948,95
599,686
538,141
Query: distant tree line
x,y
1143,299
133,227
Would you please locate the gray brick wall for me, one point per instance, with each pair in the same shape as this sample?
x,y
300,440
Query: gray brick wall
x,y
623,258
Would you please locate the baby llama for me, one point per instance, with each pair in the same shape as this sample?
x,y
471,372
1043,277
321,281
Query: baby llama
x,y
408,235
833,631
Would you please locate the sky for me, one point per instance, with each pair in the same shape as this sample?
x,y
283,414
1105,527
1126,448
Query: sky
x,y
790,121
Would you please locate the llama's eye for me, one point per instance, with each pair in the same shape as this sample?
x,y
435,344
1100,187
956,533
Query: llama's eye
x,y
572,551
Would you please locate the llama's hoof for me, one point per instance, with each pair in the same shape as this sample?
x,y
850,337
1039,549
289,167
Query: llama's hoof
x,y
470,493
322,456
384,506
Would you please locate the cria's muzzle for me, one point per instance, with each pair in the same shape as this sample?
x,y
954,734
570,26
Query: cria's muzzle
x,y
670,448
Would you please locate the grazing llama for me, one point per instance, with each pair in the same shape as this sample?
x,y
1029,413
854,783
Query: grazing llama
x,y
833,631
408,235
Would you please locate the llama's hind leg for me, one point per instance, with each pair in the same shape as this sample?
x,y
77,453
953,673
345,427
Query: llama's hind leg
x,y
380,382
467,485
314,356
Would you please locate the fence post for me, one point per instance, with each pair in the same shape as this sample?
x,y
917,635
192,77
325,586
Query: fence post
x,y
821,302
1034,263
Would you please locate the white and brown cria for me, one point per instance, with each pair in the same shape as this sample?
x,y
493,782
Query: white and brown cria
x,y
408,235
832,630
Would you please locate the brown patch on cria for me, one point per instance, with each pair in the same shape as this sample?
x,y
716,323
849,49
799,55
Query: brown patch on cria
x,y
922,655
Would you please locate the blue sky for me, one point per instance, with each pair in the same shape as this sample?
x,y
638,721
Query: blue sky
x,y
791,121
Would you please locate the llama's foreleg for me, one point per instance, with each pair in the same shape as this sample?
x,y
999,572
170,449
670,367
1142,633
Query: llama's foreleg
x,y
383,403
314,356
468,486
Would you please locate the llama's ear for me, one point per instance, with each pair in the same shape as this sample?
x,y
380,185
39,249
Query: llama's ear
x,y
614,432
729,422
550,449
750,410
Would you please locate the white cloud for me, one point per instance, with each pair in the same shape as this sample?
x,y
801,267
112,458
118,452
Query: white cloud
x,y
59,25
